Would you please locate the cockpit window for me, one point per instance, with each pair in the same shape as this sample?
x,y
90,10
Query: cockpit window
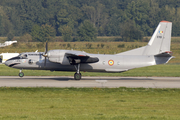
x,y
20,56
23,56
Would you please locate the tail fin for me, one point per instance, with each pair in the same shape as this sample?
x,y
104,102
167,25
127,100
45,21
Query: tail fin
x,y
160,41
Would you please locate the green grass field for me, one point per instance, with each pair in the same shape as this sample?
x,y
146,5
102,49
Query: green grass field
x,y
89,104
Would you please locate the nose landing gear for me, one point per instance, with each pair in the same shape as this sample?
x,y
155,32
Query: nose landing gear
x,y
21,74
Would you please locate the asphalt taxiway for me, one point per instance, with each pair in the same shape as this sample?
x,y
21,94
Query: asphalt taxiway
x,y
109,82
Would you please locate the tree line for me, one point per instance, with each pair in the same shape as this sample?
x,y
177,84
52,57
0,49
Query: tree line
x,y
41,20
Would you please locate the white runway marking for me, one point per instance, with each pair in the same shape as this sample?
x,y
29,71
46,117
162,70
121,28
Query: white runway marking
x,y
109,82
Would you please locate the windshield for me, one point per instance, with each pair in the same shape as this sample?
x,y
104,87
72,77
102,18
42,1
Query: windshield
x,y
20,56
23,56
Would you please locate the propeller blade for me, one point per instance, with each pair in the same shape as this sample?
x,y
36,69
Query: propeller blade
x,y
46,47
46,50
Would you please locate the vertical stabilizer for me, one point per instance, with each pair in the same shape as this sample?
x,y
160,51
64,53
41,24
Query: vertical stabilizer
x,y
161,40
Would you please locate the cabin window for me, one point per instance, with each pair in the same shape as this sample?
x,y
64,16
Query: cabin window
x,y
30,61
33,54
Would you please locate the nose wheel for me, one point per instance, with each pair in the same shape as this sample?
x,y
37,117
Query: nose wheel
x,y
77,75
21,74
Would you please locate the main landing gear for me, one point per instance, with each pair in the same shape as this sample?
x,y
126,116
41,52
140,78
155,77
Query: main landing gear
x,y
77,75
21,74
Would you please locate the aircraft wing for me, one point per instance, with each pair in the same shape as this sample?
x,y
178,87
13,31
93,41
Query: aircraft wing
x,y
76,54
76,57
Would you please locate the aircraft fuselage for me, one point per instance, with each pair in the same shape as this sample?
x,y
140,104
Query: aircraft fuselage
x,y
106,63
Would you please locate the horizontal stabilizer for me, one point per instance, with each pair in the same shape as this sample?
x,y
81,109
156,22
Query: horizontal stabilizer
x,y
163,57
165,54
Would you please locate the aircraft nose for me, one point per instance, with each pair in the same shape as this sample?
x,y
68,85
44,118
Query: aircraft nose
x,y
10,63
7,63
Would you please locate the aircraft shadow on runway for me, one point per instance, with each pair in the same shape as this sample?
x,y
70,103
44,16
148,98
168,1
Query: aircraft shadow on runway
x,y
83,78
118,78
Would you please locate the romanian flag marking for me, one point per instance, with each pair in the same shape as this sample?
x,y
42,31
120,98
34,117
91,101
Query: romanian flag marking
x,y
160,31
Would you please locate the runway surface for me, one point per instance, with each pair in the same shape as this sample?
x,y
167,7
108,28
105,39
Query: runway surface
x,y
109,82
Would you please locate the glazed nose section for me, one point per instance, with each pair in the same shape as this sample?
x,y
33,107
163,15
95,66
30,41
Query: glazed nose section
x,y
10,63
7,63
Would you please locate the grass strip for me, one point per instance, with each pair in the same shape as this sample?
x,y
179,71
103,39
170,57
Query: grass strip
x,y
89,103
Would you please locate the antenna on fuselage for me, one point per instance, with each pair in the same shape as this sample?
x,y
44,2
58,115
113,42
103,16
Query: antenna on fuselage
x,y
45,53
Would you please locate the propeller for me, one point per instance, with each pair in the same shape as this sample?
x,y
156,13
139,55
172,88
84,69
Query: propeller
x,y
45,53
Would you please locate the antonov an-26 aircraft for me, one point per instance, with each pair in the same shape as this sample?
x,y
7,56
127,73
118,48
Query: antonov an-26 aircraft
x,y
157,51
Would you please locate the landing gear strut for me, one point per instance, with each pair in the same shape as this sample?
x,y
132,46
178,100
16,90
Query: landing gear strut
x,y
21,74
77,75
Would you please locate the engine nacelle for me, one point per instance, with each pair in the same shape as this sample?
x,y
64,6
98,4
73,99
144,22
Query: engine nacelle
x,y
58,56
74,61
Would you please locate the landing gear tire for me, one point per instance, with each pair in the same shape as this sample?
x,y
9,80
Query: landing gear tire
x,y
21,74
77,76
